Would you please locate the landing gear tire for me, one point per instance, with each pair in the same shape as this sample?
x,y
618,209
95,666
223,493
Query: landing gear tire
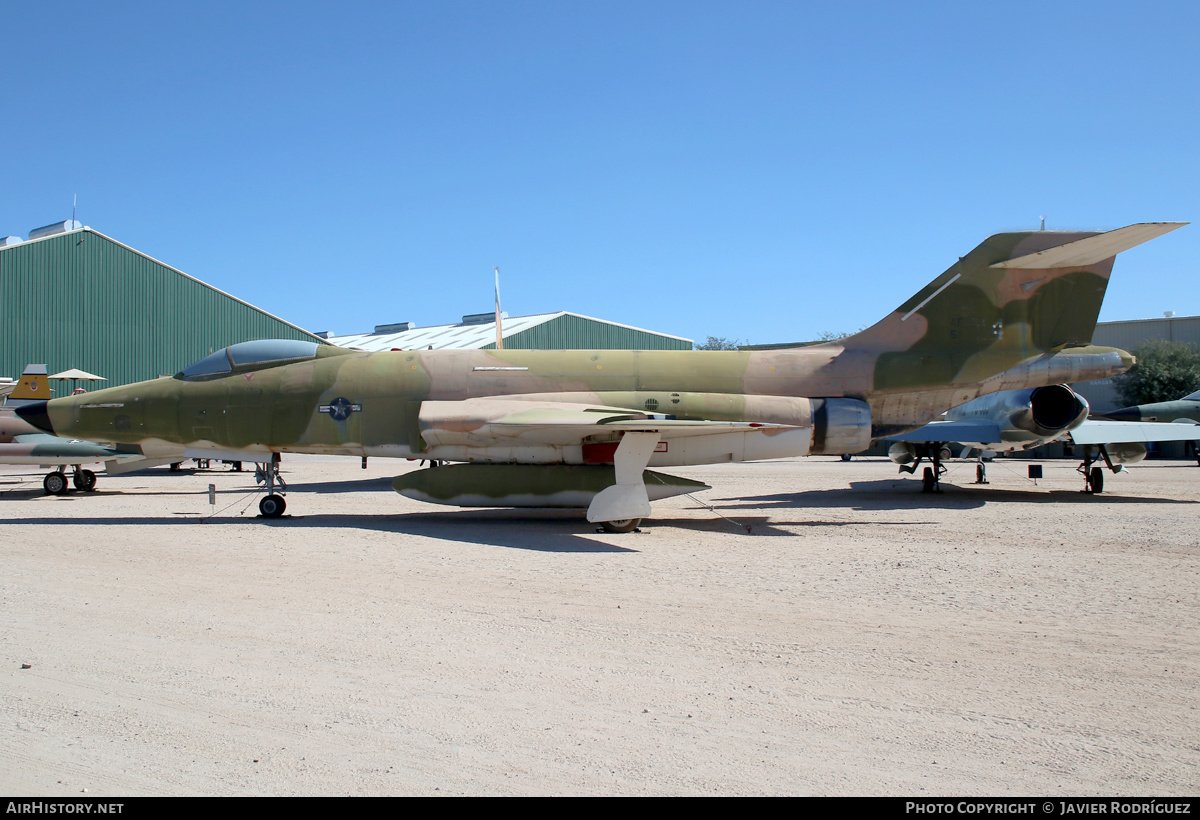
x,y
980,474
1097,480
621,525
272,506
85,480
928,480
846,456
54,483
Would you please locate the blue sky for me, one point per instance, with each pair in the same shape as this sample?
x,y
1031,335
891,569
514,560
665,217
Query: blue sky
x,y
760,171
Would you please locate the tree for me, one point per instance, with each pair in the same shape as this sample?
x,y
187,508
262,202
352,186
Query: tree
x,y
719,343
1165,371
832,336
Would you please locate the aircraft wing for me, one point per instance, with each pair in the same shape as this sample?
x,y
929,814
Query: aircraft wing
x,y
56,446
42,448
553,423
1098,431
965,431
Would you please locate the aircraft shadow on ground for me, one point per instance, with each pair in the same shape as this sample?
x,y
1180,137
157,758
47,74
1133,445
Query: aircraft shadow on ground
x,y
760,525
31,494
547,530
537,530
554,530
356,485
528,528
891,494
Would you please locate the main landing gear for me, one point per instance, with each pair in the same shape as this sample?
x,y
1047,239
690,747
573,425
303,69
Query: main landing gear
x,y
621,525
1093,476
55,483
84,480
932,476
273,505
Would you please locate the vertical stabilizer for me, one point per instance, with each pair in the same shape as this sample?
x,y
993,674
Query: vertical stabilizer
x,y
34,384
1014,297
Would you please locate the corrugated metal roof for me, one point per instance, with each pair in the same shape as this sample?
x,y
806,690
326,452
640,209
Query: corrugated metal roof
x,y
476,337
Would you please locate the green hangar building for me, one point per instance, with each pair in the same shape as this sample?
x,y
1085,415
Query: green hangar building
x,y
71,297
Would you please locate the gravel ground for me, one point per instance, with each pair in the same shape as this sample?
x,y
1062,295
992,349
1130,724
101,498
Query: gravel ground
x,y
862,638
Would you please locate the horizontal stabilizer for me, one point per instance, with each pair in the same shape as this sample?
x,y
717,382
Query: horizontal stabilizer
x,y
973,431
1096,431
1091,249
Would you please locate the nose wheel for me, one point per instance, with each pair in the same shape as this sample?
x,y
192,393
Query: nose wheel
x,y
272,506
267,473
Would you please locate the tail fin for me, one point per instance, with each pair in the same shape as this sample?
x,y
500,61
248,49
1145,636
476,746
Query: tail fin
x,y
1014,297
34,383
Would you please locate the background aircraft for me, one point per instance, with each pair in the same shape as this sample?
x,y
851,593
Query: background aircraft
x,y
1185,409
1024,419
994,320
1180,410
22,443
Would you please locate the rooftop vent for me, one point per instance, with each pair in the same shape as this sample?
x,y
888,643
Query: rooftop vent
x,y
1169,314
10,240
397,327
323,334
57,227
481,318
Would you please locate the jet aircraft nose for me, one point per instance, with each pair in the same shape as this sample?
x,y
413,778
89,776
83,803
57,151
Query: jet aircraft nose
x,y
1125,414
35,413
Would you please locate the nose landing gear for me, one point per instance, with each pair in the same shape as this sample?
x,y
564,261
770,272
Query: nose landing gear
x,y
267,472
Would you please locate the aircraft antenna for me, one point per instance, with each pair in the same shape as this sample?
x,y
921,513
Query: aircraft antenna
x,y
499,332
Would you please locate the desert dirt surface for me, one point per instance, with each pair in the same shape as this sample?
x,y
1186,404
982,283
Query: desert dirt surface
x,y
861,639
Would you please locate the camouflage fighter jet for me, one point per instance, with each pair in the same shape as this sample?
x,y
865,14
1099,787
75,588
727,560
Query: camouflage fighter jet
x,y
580,427
1013,420
1185,409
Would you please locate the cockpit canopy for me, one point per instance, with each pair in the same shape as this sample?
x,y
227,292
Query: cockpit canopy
x,y
244,356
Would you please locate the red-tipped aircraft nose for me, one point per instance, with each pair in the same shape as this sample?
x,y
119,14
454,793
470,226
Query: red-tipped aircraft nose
x,y
35,413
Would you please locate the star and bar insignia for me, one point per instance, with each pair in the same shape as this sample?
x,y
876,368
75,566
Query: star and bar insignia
x,y
340,408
